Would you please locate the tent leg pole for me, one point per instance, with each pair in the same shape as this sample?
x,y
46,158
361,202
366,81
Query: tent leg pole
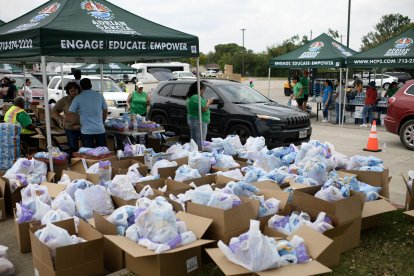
x,y
24,83
344,99
101,68
340,91
47,113
61,79
268,84
199,104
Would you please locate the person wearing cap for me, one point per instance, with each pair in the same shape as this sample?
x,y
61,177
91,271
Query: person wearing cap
x,y
305,87
370,99
137,101
392,89
251,84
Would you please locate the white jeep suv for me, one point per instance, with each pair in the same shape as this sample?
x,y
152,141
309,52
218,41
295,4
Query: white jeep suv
x,y
115,98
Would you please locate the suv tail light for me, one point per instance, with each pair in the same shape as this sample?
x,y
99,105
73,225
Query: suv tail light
x,y
391,101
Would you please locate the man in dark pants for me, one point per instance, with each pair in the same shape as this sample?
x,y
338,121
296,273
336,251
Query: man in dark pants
x,y
93,111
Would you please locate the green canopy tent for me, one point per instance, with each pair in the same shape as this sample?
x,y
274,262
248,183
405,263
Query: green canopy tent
x,y
88,32
109,68
11,67
321,52
397,52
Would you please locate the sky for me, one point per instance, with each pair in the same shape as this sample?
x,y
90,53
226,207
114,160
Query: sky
x,y
267,22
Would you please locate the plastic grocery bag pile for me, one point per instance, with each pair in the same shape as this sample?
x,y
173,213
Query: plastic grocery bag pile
x,y
156,226
180,151
258,252
57,155
201,161
365,163
185,172
93,153
24,172
101,168
135,177
290,223
131,150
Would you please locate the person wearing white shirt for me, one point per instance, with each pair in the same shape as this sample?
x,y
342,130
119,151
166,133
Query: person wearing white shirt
x,y
27,93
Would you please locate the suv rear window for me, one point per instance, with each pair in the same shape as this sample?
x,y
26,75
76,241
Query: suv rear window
x,y
166,90
410,90
180,90
53,83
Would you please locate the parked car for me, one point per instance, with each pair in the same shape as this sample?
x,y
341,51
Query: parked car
x,y
386,80
183,75
209,73
400,114
115,98
401,76
36,86
236,109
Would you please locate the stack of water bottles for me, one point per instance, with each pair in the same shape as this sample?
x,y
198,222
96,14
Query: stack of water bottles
x,y
9,145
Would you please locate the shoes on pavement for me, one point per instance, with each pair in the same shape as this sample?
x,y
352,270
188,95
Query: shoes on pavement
x,y
364,125
324,121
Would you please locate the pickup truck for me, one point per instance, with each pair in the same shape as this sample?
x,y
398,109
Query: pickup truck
x,y
209,73
115,98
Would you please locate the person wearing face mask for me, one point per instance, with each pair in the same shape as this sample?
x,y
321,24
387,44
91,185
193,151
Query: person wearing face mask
x,y
60,113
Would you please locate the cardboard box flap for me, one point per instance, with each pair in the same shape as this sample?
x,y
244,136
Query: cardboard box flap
x,y
53,188
407,186
316,243
2,188
224,264
103,225
376,207
197,224
410,213
279,195
207,179
310,268
343,174
86,231
190,245
130,247
267,184
50,176
40,250
94,178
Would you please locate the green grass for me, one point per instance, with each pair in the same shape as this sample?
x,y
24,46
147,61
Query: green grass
x,y
384,250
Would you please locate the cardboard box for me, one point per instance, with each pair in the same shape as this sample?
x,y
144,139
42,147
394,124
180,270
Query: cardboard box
x,y
114,257
84,258
181,161
173,187
78,164
139,158
409,198
410,214
373,209
184,260
12,191
218,180
315,243
121,167
22,234
167,172
94,178
54,189
226,223
3,215
341,212
284,207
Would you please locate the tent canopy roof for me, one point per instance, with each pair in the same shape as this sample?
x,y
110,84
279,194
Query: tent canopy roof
x,y
396,52
111,68
91,32
321,52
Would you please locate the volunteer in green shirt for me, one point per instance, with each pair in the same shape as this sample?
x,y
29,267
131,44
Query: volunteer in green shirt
x,y
193,116
392,89
137,101
305,83
298,94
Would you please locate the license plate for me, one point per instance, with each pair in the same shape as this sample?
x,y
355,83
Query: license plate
x,y
303,134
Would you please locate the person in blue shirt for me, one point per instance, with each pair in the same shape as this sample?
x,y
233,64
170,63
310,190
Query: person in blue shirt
x,y
326,99
93,111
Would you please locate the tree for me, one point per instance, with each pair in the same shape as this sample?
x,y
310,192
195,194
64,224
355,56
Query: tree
x,y
390,25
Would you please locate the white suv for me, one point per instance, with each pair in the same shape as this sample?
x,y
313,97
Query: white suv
x,y
115,98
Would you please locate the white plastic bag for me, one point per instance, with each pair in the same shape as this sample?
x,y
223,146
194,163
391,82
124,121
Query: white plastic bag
x,y
235,174
200,162
191,146
232,145
64,202
54,237
121,187
162,164
226,161
133,174
103,169
267,162
53,216
95,198
185,172
6,267
252,250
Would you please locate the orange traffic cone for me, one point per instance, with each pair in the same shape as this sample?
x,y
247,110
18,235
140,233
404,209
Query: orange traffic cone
x,y
372,139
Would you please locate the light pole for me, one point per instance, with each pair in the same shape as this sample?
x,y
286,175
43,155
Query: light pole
x,y
243,51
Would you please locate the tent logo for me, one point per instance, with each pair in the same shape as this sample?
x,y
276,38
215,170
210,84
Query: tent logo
x,y
403,43
341,49
45,12
97,10
316,46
